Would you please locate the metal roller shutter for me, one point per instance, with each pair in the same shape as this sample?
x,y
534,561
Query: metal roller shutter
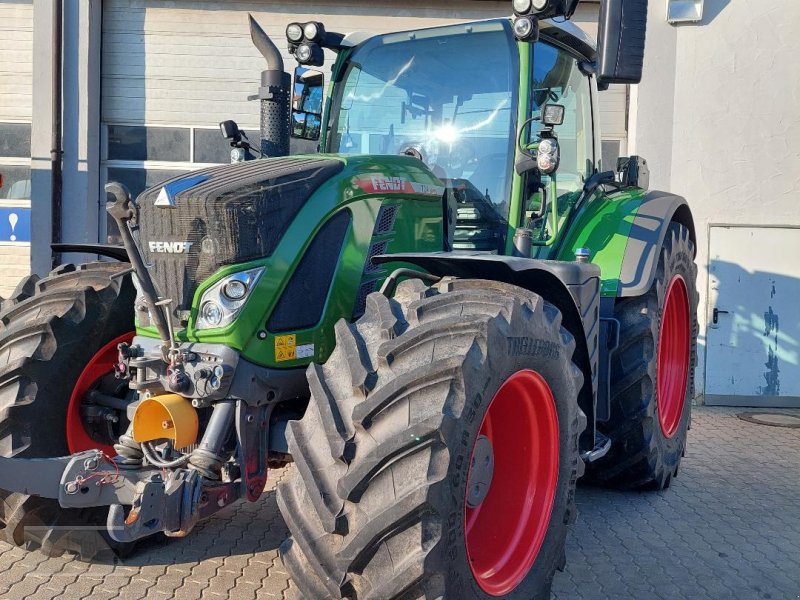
x,y
16,56
192,62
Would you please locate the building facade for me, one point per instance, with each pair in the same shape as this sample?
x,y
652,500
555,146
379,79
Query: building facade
x,y
145,84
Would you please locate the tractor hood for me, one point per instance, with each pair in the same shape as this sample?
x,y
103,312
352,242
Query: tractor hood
x,y
192,225
209,220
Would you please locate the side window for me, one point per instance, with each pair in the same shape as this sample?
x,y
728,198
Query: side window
x,y
558,80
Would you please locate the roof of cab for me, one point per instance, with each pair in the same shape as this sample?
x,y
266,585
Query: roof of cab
x,y
563,32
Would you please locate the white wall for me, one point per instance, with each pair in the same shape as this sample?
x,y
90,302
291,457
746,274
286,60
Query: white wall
x,y
730,141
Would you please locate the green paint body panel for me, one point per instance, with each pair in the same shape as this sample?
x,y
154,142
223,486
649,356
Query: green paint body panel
x,y
603,225
418,227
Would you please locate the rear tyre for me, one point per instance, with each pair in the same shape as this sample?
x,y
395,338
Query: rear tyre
x,y
652,374
439,452
51,331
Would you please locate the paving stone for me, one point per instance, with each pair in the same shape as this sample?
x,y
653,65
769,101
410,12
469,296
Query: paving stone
x,y
729,527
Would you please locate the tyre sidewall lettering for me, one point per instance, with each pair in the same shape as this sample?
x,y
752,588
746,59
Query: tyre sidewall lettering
x,y
499,366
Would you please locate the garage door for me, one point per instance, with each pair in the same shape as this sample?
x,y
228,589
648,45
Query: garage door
x,y
192,62
16,48
172,71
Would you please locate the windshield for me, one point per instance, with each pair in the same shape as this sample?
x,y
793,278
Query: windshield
x,y
446,95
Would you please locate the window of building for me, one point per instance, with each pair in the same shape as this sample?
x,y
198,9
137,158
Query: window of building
x,y
15,161
141,156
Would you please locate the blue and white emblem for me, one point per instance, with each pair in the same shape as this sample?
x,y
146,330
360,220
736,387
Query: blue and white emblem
x,y
166,197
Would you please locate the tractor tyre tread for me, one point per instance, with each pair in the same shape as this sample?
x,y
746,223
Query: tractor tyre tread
x,y
370,523
640,456
49,329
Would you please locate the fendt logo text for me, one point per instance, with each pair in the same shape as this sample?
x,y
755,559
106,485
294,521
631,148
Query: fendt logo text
x,y
170,247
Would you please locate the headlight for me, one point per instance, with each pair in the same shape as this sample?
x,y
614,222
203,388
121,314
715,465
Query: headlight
x,y
294,32
522,7
525,28
235,289
311,31
547,155
303,53
223,301
211,313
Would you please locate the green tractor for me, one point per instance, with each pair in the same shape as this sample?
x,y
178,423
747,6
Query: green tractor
x,y
444,318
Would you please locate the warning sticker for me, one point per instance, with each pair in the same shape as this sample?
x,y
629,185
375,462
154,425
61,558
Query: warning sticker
x,y
305,351
285,347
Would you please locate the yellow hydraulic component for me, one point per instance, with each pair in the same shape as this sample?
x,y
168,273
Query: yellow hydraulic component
x,y
166,417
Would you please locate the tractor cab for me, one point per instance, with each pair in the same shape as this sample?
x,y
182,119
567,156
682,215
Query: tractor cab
x,y
468,101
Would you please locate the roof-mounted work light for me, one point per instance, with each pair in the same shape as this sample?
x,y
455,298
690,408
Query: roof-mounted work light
x,y
309,53
306,41
294,33
545,9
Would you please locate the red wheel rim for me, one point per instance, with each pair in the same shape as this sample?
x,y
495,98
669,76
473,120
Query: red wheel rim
x,y
673,357
505,532
101,364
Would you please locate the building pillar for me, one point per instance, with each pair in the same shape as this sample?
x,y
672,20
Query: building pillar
x,y
80,128
82,76
41,136
652,102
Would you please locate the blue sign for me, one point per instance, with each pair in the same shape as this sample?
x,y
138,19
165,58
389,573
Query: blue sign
x,y
15,225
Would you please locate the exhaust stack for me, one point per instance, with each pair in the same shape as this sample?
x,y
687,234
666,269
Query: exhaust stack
x,y
274,95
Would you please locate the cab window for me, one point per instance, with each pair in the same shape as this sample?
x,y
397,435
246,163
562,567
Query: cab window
x,y
558,80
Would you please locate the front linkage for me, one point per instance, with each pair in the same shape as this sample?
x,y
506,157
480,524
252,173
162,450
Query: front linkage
x,y
166,490
160,499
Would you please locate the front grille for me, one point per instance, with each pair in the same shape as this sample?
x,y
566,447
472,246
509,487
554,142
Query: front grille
x,y
227,215
385,221
303,299
375,249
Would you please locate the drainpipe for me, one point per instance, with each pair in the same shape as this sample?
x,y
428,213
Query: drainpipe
x,y
56,152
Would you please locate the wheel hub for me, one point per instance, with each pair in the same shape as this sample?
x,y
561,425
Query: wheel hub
x,y
512,483
672,369
481,470
79,411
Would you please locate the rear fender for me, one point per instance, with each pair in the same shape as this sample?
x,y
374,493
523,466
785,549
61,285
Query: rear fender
x,y
650,226
624,231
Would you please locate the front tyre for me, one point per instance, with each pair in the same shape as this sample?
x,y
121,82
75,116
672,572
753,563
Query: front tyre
x,y
58,339
439,452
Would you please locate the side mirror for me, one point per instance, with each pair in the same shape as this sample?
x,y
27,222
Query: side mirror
x,y
307,99
620,41
229,130
633,172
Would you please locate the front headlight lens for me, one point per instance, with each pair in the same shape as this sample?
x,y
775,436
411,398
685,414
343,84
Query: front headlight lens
x,y
223,301
211,313
521,7
235,289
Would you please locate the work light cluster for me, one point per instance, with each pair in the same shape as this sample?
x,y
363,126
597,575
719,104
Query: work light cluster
x,y
306,42
526,17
